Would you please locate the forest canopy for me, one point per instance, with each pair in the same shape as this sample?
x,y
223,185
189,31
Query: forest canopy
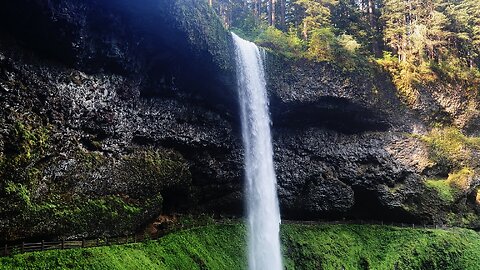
x,y
417,41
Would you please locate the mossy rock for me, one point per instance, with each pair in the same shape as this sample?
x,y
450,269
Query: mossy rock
x,y
88,193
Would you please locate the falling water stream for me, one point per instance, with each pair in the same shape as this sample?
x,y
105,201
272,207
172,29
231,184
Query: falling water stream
x,y
261,194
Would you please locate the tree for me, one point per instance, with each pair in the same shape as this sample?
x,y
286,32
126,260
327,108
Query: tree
x,y
362,20
317,14
283,14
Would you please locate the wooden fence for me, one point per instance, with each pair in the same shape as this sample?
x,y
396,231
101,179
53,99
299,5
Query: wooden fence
x,y
24,247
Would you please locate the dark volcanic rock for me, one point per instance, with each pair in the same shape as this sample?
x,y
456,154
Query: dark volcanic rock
x,y
97,96
303,93
165,45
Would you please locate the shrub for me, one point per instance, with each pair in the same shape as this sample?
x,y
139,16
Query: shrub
x,y
322,45
287,44
450,147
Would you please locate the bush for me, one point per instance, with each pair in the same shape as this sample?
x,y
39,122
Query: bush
x,y
450,148
454,70
287,44
322,45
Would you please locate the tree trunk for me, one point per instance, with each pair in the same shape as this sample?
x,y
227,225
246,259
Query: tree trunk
x,y
270,12
374,28
210,2
305,30
273,12
283,14
257,6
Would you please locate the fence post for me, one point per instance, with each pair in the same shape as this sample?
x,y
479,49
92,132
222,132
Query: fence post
x,y
6,250
98,242
43,245
63,243
135,238
23,247
83,243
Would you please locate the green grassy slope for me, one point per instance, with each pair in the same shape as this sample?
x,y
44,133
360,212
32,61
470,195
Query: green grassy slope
x,y
305,247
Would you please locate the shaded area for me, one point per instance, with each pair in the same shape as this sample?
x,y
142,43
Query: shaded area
x,y
171,48
368,206
334,113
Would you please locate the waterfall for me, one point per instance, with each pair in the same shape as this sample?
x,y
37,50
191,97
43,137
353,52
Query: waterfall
x,y
261,194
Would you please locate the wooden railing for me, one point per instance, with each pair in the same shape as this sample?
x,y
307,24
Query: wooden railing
x,y
24,247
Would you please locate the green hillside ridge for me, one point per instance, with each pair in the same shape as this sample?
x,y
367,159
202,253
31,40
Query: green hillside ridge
x,y
304,246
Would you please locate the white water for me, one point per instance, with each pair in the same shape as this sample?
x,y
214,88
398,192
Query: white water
x,y
262,202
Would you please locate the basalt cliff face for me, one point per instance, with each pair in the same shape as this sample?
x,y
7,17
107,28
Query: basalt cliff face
x,y
113,114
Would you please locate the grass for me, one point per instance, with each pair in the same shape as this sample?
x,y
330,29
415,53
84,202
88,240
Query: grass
x,y
327,247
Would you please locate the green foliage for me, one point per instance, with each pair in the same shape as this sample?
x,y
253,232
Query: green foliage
x,y
315,39
451,189
431,43
444,190
349,43
407,76
449,147
317,14
377,247
455,71
322,45
437,44
94,215
247,27
214,247
287,44
29,142
327,247
461,179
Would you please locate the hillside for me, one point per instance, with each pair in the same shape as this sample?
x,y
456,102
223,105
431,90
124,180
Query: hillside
x,y
327,247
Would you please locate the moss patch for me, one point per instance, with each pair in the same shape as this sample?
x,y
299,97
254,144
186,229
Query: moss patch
x,y
443,189
327,247
204,29
92,194
456,183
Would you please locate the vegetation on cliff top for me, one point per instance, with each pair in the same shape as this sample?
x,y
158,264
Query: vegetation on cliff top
x,y
436,44
328,247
